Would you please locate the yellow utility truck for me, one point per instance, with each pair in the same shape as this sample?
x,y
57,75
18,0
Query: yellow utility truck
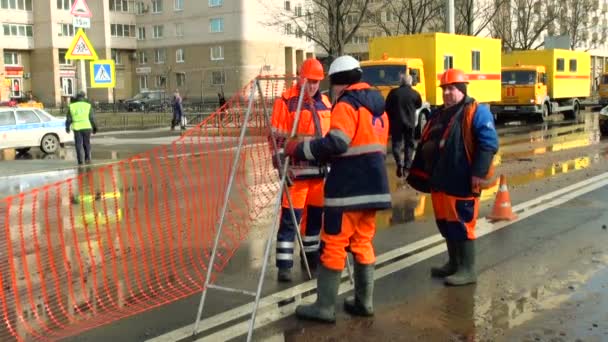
x,y
544,82
425,57
603,87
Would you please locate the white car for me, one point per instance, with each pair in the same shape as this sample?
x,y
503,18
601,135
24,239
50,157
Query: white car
x,y
24,128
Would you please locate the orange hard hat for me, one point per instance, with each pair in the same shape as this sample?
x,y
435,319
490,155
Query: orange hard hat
x,y
312,69
452,76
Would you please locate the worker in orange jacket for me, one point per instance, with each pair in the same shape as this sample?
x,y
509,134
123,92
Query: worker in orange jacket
x,y
306,177
355,189
453,163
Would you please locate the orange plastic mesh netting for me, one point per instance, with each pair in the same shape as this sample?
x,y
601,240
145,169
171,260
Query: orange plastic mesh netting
x,y
137,234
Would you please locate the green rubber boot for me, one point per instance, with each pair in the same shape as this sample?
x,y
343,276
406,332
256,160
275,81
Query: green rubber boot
x,y
466,271
361,304
451,266
324,309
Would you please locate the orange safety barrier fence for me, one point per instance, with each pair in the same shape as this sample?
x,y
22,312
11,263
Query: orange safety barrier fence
x,y
137,234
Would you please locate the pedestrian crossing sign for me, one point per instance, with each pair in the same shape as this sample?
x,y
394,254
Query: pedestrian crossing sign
x,y
103,73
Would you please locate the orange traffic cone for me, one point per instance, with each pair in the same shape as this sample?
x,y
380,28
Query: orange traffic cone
x,y
502,206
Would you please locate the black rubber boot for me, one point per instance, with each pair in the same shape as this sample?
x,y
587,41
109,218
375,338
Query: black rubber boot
x,y
324,309
313,261
466,270
451,266
284,275
361,304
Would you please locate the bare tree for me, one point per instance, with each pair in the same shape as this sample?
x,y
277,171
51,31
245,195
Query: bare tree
x,y
574,21
328,23
522,23
475,16
406,16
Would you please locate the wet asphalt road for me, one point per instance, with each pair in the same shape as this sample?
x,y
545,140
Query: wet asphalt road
x,y
445,312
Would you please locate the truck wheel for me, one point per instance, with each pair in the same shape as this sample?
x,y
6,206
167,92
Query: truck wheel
x,y
575,113
544,116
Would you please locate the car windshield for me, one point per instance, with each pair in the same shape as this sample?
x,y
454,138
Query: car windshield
x,y
383,75
519,77
44,116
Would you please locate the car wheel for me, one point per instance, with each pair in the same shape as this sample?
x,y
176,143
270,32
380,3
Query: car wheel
x,y
49,143
23,150
142,107
544,117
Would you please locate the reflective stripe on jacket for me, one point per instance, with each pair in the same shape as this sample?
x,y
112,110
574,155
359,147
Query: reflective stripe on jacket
x,y
80,112
309,126
356,149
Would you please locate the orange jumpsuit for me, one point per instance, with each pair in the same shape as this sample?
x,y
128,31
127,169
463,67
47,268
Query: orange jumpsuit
x,y
308,177
357,185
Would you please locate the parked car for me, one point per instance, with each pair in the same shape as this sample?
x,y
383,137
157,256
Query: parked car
x,y
24,128
151,100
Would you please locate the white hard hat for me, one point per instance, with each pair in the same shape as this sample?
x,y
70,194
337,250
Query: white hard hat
x,y
343,63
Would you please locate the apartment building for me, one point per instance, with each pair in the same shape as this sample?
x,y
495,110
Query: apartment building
x,y
200,47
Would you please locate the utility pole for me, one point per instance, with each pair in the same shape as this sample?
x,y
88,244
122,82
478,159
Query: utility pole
x,y
450,26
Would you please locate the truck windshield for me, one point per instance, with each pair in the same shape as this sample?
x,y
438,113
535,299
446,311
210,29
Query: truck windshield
x,y
524,77
382,75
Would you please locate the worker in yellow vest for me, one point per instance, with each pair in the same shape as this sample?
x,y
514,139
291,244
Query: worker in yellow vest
x,y
82,122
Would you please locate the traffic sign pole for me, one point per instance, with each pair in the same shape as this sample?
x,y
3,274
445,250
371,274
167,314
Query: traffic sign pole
x,y
83,77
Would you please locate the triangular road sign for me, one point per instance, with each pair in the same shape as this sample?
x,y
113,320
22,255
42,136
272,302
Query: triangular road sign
x,y
80,8
81,47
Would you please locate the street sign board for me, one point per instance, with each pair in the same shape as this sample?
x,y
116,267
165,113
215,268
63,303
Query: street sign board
x,y
81,22
103,73
80,9
81,47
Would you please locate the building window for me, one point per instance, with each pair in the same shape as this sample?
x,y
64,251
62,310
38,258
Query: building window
x,y
218,78
448,62
64,5
143,57
24,5
475,60
179,5
288,5
288,30
11,58
143,82
62,60
140,8
216,25
66,30
159,56
141,33
158,32
561,65
119,5
179,55
216,3
116,56
217,53
161,81
299,32
298,11
122,30
180,79
157,6
18,30
572,65
179,29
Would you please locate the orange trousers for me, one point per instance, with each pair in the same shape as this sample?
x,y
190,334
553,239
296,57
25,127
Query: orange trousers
x,y
347,230
456,217
307,199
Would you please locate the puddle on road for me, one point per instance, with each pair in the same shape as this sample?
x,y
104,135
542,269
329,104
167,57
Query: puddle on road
x,y
67,154
418,207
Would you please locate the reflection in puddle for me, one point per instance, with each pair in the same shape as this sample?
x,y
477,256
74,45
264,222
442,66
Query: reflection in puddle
x,y
67,153
418,207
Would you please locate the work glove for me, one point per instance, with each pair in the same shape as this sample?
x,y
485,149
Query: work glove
x,y
291,147
94,130
67,130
